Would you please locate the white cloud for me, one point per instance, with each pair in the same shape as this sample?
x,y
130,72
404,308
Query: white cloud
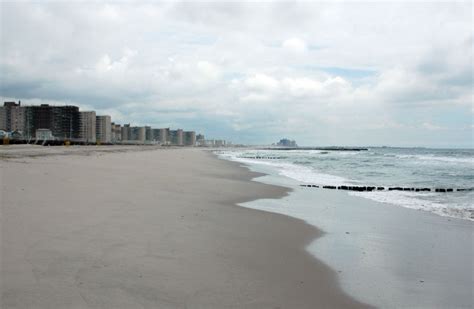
x,y
109,12
208,70
261,82
295,45
275,66
431,127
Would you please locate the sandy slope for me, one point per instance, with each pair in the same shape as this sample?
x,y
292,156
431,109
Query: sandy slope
x,y
150,229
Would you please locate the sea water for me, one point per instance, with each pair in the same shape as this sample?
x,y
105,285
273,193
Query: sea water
x,y
387,167
392,249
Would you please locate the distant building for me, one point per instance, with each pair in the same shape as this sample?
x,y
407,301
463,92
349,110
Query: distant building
x,y
3,119
172,137
12,117
67,123
161,136
63,121
126,132
219,143
155,133
214,143
148,134
116,132
200,140
179,137
103,129
176,137
87,132
286,143
164,136
189,138
139,134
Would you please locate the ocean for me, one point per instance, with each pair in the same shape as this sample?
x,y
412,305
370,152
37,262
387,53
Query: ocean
x,y
384,166
391,249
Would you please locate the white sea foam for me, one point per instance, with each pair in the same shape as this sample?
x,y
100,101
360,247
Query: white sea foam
x,y
418,201
437,158
310,176
456,206
299,173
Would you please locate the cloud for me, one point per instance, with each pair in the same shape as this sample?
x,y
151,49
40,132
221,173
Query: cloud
x,y
295,45
261,83
342,73
431,127
208,70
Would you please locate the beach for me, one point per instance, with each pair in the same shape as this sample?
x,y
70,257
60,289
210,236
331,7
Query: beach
x,y
147,227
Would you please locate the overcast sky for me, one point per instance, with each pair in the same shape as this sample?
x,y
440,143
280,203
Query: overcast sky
x,y
344,73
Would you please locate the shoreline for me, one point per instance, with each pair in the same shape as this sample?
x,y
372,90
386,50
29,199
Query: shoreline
x,y
149,234
384,254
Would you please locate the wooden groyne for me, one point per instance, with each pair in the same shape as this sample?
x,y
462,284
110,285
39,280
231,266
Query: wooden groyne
x,y
331,148
380,188
262,157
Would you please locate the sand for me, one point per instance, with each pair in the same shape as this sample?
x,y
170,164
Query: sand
x,y
149,228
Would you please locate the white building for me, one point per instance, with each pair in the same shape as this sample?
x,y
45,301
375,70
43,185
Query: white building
x,y
88,127
103,129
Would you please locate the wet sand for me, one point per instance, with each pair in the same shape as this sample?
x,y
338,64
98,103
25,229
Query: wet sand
x,y
386,255
150,228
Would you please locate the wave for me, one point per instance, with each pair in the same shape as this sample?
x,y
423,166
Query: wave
x,y
430,202
418,201
436,158
296,172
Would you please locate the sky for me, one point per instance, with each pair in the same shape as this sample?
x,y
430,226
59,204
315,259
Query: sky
x,y
322,73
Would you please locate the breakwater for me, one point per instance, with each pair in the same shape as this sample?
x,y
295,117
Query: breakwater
x,y
380,188
262,157
330,148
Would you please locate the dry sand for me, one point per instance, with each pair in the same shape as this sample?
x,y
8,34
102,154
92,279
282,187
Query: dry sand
x,y
149,229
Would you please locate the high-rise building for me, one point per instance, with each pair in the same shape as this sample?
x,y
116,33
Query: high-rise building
x,y
155,133
126,132
163,136
287,143
88,127
12,117
63,121
189,138
103,129
176,137
172,137
200,140
116,132
139,134
68,123
180,137
3,118
148,134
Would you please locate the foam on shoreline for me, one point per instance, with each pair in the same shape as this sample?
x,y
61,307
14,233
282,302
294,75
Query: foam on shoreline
x,y
389,256
458,205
